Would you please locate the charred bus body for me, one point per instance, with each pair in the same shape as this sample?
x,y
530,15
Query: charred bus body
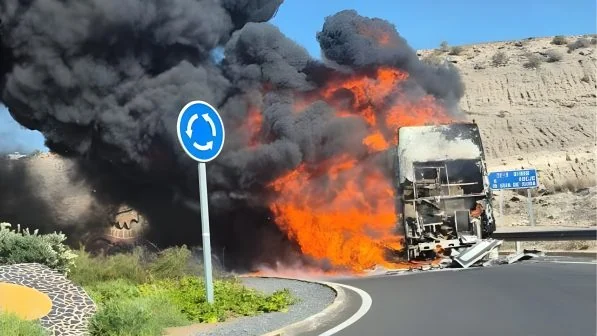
x,y
443,198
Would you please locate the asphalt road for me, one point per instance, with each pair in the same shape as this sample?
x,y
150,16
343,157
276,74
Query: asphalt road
x,y
550,296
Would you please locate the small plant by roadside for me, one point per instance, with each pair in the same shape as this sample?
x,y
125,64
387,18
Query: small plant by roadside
x,y
136,317
139,266
553,56
533,61
142,293
11,324
21,246
559,40
499,59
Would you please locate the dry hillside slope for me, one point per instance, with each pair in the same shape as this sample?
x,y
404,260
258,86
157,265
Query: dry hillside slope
x,y
535,102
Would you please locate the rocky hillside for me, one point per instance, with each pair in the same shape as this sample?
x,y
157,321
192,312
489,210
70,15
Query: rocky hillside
x,y
535,102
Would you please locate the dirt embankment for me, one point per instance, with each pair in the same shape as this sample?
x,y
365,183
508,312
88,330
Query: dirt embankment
x,y
536,104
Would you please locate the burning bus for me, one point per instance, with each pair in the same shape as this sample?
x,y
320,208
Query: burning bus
x,y
443,197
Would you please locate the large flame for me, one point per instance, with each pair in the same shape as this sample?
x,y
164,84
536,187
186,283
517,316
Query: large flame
x,y
341,211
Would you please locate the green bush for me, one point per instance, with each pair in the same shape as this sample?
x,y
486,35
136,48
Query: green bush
x,y
12,325
137,267
21,246
147,316
123,266
174,263
120,289
128,287
231,298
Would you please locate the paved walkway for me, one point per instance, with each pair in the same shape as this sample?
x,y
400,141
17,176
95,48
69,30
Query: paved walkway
x,y
71,306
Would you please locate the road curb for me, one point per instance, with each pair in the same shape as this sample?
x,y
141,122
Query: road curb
x,y
313,321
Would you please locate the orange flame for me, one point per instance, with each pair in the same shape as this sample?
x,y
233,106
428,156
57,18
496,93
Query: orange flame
x,y
253,124
342,210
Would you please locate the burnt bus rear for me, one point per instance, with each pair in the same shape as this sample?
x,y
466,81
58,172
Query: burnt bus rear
x,y
443,198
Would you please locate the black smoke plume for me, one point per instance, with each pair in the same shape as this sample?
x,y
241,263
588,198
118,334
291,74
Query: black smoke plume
x,y
104,80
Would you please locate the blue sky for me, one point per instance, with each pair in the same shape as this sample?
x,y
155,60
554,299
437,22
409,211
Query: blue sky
x,y
424,24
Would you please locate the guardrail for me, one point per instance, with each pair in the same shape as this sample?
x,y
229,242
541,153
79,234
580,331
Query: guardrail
x,y
545,234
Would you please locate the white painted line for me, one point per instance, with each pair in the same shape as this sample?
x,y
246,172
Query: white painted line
x,y
365,306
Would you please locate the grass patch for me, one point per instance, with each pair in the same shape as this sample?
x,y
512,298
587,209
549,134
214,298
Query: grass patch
x,y
142,293
139,266
135,317
12,325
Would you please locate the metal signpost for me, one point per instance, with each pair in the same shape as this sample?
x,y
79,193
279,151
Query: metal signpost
x,y
201,134
515,179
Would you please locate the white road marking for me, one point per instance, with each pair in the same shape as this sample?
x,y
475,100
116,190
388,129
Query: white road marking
x,y
365,306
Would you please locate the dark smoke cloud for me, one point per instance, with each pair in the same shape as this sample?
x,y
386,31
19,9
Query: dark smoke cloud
x,y
50,197
104,80
349,39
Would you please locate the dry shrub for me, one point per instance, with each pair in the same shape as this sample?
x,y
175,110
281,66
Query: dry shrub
x,y
444,46
559,40
553,56
580,43
499,59
533,61
456,50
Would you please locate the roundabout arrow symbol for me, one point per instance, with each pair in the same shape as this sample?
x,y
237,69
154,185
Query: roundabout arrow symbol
x,y
208,119
207,146
189,131
192,120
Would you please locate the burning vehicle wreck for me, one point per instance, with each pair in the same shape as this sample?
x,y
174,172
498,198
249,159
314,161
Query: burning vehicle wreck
x,y
443,199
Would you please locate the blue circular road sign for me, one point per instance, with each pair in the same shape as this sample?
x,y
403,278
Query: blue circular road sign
x,y
200,131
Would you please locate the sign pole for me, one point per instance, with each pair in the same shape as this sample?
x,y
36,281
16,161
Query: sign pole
x,y
202,144
502,203
531,215
209,289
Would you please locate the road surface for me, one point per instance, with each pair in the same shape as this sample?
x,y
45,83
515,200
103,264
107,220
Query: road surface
x,y
543,297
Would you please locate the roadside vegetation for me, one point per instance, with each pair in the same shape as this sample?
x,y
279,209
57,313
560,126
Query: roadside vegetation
x,y
139,293
11,324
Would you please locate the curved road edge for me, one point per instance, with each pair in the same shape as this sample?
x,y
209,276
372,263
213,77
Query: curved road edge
x,y
331,312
